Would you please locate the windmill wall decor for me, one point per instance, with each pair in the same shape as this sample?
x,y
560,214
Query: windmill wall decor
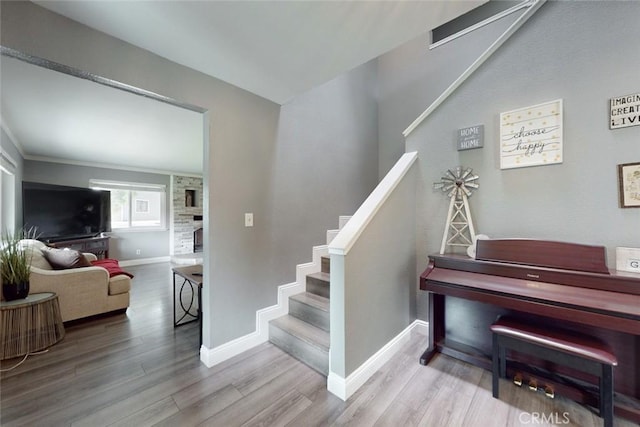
x,y
458,184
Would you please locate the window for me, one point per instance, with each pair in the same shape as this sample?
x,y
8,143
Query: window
x,y
135,205
482,15
7,193
142,206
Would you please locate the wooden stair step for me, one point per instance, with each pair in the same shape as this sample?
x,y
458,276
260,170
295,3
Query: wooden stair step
x,y
316,301
325,263
303,330
302,340
318,283
311,308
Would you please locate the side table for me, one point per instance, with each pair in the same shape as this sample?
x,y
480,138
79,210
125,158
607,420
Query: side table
x,y
192,276
29,325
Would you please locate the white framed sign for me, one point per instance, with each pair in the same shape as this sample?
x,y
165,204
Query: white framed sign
x,y
624,111
531,136
628,259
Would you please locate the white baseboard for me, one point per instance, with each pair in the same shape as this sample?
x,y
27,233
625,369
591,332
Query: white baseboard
x,y
420,326
213,356
345,387
141,261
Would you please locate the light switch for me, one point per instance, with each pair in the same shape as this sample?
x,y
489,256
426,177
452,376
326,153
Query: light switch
x,y
248,220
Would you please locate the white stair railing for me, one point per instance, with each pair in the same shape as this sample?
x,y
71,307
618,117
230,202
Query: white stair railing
x,y
373,274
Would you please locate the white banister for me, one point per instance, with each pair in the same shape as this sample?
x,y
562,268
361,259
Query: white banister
x,y
352,230
372,276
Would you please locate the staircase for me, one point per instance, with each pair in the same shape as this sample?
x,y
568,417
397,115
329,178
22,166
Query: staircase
x,y
304,332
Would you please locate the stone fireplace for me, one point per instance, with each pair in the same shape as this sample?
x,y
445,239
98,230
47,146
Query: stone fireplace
x,y
186,214
198,234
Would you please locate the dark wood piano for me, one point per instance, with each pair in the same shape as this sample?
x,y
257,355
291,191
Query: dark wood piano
x,y
549,283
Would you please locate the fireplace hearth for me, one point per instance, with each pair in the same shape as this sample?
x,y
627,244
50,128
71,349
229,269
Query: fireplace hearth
x,y
197,240
198,234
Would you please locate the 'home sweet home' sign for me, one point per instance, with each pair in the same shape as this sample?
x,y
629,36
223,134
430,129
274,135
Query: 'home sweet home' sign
x,y
471,137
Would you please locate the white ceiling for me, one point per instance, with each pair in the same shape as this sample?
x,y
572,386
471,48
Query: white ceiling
x,y
60,117
275,49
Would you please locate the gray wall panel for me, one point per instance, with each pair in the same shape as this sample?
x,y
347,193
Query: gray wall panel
x,y
411,77
380,277
556,54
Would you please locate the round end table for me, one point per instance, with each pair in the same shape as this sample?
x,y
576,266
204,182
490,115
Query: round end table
x,y
30,324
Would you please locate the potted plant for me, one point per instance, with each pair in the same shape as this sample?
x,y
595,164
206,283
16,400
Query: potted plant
x,y
15,263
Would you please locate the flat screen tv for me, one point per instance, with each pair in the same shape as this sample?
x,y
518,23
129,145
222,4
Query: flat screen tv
x,y
63,213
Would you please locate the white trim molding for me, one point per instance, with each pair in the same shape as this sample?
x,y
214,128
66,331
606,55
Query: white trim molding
x,y
533,8
141,261
212,356
16,143
7,163
108,166
75,72
345,387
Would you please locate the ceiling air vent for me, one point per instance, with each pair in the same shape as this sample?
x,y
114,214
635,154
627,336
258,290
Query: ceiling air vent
x,y
474,19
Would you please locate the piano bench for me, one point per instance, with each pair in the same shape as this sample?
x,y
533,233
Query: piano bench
x,y
580,352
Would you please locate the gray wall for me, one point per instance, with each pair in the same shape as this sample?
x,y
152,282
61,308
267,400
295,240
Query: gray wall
x,y
376,299
11,150
411,77
322,164
556,54
123,244
244,160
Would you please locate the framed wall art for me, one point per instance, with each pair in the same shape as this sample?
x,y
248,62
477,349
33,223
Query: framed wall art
x,y
531,136
629,185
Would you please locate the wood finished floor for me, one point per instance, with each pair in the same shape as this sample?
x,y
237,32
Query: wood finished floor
x,y
137,370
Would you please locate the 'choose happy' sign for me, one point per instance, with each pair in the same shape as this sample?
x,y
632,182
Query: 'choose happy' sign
x,y
531,136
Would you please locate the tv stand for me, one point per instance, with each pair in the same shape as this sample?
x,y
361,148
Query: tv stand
x,y
95,245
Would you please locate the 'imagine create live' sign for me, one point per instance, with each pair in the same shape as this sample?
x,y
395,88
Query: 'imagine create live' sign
x,y
625,111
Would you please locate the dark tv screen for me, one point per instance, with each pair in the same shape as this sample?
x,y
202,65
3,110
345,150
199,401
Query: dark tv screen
x,y
59,212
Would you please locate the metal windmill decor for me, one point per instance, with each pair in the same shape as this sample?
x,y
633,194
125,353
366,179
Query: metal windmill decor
x,y
458,184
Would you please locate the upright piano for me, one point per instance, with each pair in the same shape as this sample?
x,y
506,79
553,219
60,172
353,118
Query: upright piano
x,y
556,284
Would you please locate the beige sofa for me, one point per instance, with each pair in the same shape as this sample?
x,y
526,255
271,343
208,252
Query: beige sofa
x,y
82,292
